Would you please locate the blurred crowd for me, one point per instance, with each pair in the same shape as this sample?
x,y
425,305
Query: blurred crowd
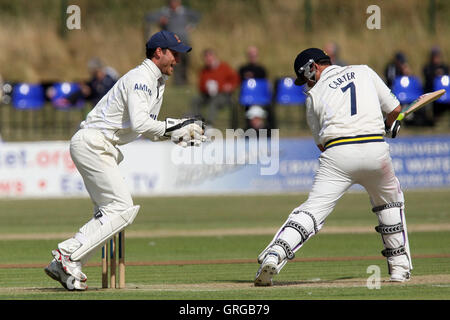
x,y
218,83
434,68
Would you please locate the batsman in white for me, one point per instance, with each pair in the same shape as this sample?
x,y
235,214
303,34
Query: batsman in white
x,y
349,111
129,110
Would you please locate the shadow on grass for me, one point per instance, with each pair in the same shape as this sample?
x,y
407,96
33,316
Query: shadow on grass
x,y
294,282
60,289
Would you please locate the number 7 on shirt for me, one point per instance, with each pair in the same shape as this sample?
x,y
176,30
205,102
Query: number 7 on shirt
x,y
351,86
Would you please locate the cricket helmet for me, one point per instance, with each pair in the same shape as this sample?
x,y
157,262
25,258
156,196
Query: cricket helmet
x,y
303,62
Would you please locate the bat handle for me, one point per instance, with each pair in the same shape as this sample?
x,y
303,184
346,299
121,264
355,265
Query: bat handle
x,y
401,116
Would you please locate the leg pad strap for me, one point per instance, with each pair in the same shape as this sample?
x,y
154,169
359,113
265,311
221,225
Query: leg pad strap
x,y
287,249
384,229
299,228
394,252
388,206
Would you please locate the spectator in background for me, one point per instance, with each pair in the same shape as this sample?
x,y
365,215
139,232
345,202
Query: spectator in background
x,y
1,89
332,50
257,119
216,84
400,67
434,68
102,79
252,69
1,101
180,20
397,67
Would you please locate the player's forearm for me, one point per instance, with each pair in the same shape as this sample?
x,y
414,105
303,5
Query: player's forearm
x,y
142,123
140,120
392,116
149,127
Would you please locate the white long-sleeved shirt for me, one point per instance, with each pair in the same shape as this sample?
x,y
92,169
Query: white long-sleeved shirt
x,y
348,101
130,109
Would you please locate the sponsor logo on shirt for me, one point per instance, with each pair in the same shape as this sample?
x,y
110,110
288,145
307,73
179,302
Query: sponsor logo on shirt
x,y
143,87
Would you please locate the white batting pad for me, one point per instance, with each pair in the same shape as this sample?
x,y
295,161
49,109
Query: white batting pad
x,y
98,230
392,227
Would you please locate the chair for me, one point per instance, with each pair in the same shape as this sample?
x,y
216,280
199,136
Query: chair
x,y
287,93
255,91
27,99
65,95
442,82
27,96
407,88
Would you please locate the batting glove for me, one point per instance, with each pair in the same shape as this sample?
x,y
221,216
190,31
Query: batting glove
x,y
185,132
393,130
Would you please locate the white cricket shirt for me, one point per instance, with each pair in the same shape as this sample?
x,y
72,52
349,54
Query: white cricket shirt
x,y
348,101
131,107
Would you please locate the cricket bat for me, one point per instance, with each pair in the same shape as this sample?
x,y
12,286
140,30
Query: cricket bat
x,y
420,102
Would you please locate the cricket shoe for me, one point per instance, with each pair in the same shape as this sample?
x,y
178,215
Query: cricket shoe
x,y
55,271
72,268
400,276
267,270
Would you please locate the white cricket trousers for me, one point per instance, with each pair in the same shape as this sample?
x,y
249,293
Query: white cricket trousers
x,y
97,161
367,164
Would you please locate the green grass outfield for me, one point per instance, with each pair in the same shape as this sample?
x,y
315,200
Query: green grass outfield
x,y
206,247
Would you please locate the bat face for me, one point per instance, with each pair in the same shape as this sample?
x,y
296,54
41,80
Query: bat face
x,y
422,101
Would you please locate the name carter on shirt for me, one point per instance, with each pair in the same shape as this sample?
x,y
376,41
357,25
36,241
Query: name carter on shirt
x,y
339,81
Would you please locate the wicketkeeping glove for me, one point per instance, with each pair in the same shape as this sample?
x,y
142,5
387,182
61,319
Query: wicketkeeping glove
x,y
393,130
185,132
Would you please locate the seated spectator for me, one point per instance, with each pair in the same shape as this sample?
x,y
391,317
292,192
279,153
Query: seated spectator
x,y
102,79
434,68
332,50
252,69
217,82
400,67
397,67
257,119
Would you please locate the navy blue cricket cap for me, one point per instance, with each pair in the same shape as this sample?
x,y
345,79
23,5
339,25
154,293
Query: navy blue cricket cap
x,y
303,58
167,39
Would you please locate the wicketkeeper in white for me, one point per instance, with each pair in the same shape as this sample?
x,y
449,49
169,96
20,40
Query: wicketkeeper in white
x,y
349,111
129,110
